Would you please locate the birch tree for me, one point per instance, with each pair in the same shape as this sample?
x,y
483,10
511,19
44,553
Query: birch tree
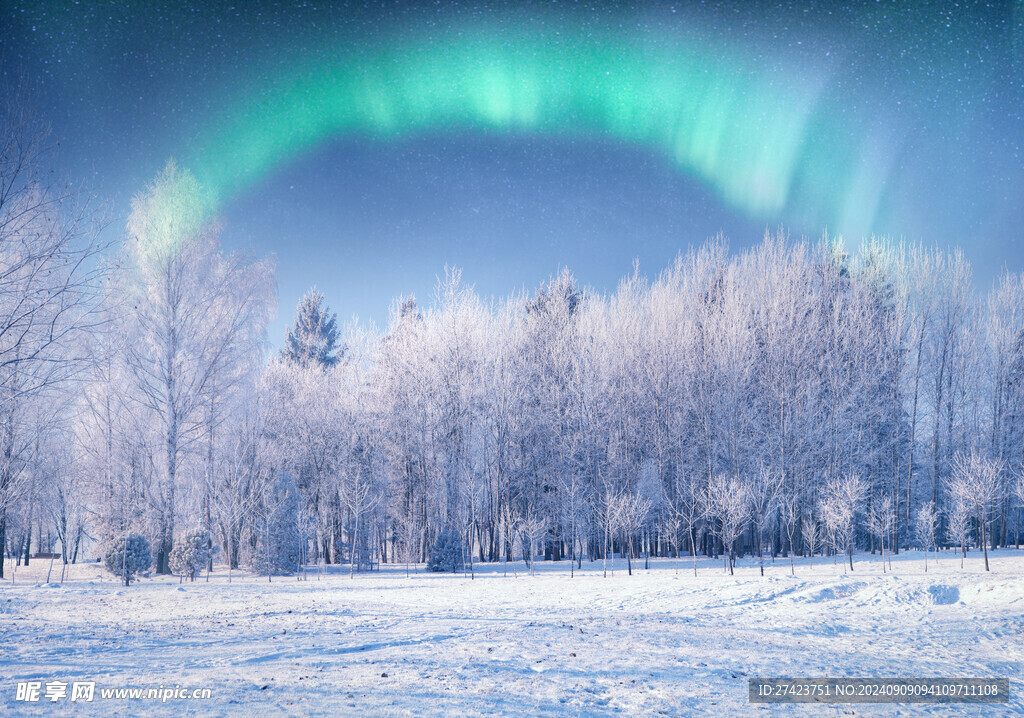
x,y
49,277
927,521
727,506
974,486
764,495
188,311
839,509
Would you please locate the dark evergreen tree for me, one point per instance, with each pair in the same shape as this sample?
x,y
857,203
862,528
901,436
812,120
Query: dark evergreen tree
x,y
278,550
313,337
446,555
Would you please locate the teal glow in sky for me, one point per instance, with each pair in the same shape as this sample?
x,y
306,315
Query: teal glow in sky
x,y
744,128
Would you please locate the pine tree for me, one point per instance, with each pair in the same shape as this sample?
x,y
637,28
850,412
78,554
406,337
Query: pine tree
x,y
313,337
191,554
127,558
278,550
447,553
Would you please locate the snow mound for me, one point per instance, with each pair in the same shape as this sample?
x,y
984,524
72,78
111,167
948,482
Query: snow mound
x,y
832,593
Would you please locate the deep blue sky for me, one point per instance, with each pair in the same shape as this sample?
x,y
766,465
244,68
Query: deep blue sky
x,y
931,94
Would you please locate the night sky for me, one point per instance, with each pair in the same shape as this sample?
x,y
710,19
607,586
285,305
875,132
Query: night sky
x,y
366,145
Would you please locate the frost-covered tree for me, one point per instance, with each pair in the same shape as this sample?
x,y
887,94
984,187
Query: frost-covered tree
x,y
764,494
687,506
278,548
1018,494
533,529
127,556
447,553
191,553
306,426
508,524
927,523
789,516
67,512
191,316
958,528
812,532
632,512
558,406
727,507
880,522
574,514
243,461
549,365
312,339
949,346
974,485
49,277
842,498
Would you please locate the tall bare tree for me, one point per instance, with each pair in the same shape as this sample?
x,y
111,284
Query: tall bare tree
x,y
193,316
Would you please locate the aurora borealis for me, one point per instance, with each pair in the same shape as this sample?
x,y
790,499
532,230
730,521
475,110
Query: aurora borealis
x,y
720,120
370,143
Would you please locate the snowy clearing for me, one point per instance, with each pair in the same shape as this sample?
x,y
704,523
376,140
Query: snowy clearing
x,y
657,642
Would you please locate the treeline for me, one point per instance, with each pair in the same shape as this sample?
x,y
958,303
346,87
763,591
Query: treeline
x,y
786,399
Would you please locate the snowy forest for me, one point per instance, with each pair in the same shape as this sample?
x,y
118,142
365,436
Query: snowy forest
x,y
790,398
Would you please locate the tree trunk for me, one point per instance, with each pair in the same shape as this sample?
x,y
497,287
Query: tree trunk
x,y
3,541
984,543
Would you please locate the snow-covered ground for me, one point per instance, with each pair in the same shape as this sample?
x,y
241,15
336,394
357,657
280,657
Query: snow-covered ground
x,y
656,642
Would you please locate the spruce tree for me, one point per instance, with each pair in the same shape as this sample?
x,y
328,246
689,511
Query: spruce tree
x,y
126,557
447,552
191,553
313,337
278,550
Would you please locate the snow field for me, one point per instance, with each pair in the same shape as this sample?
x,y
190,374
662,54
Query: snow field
x,y
655,643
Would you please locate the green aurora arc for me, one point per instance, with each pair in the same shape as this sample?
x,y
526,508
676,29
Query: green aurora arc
x,y
761,133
